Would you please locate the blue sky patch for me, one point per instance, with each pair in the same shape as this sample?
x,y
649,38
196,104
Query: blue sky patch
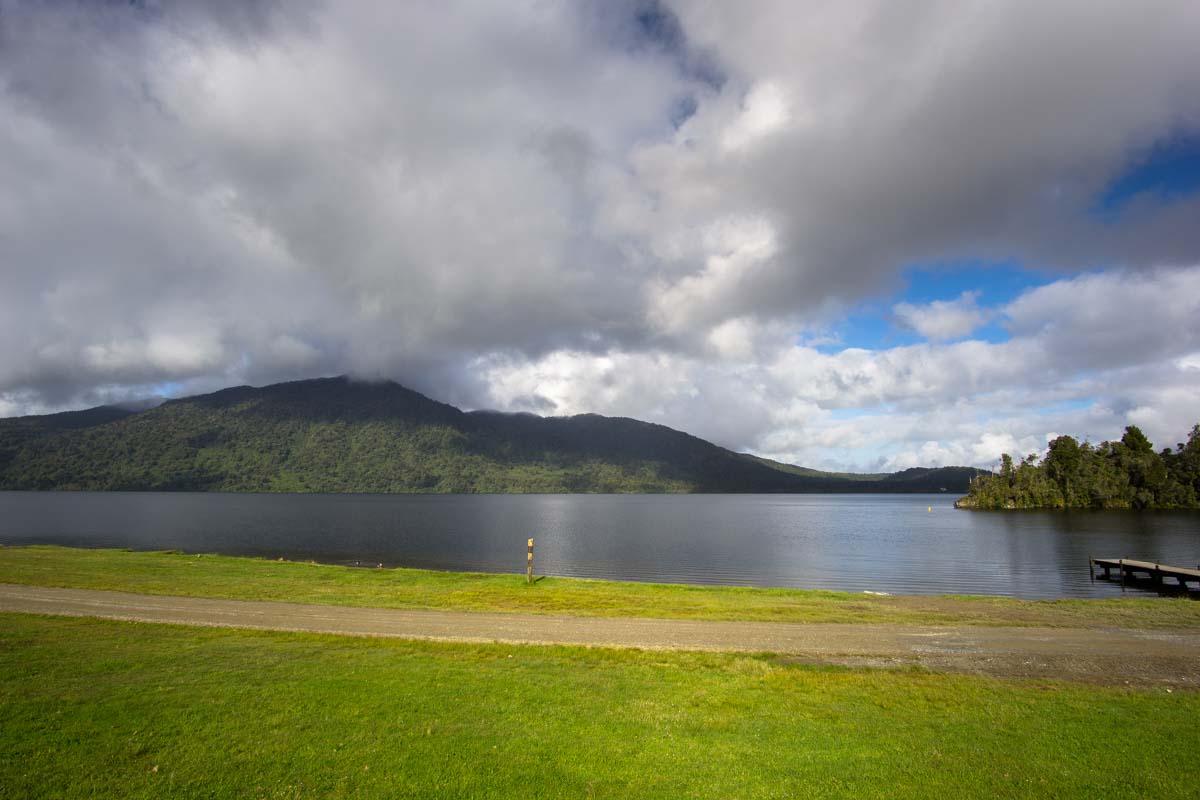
x,y
872,326
998,282
1167,171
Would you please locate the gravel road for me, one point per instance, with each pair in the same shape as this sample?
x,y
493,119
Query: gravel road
x,y
1095,655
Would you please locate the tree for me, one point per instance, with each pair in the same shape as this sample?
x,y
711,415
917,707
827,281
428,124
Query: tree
x,y
1183,471
1062,466
1006,469
1136,441
1146,471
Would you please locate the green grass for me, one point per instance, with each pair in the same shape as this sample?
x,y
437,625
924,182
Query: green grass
x,y
256,579
107,709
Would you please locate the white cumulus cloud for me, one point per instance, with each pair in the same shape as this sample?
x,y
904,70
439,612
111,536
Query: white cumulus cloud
x,y
941,320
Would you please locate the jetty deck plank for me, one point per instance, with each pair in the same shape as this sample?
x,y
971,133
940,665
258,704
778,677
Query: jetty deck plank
x,y
1134,564
1157,571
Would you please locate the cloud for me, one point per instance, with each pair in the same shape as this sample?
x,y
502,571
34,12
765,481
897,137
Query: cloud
x,y
489,203
911,137
925,404
1112,318
941,320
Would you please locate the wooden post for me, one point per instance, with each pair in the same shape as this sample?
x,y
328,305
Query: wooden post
x,y
1121,566
529,564
1092,568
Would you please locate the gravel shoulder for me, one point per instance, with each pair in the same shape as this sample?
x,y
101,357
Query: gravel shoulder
x,y
1113,656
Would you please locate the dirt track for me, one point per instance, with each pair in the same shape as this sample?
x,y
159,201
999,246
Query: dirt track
x,y
1111,656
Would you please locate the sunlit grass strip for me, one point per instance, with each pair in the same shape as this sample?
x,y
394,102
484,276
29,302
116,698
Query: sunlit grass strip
x,y
256,579
107,709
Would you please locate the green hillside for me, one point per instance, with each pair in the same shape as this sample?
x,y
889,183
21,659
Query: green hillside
x,y
338,435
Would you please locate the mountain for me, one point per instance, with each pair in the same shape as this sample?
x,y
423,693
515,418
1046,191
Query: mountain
x,y
339,435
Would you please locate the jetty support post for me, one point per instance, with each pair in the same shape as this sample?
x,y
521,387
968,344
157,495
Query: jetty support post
x,y
1121,566
1092,568
529,563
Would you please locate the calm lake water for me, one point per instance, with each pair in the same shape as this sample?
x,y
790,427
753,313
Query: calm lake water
x,y
883,543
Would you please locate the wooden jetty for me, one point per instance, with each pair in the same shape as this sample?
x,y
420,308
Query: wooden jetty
x,y
1134,571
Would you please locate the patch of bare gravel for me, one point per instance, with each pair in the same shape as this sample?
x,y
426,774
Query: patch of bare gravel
x,y
1110,656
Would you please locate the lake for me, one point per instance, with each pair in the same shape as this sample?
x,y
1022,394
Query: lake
x,y
902,544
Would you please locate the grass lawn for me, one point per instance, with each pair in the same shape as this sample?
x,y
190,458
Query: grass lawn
x,y
256,579
108,709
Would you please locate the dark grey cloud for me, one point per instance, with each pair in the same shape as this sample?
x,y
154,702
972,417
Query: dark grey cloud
x,y
951,131
218,191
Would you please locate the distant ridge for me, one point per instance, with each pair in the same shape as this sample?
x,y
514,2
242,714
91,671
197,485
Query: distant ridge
x,y
341,435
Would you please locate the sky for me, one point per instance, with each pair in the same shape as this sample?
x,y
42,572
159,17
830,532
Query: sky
x,y
850,235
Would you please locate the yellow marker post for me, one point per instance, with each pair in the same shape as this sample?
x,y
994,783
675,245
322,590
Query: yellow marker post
x,y
529,564
931,508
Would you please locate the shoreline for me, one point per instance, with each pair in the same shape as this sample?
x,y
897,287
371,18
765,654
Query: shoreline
x,y
243,578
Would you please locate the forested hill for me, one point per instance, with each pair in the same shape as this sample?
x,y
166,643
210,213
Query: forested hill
x,y
338,435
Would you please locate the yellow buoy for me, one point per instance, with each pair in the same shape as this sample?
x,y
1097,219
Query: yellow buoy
x,y
931,508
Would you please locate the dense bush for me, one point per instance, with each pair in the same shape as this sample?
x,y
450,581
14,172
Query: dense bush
x,y
1123,474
